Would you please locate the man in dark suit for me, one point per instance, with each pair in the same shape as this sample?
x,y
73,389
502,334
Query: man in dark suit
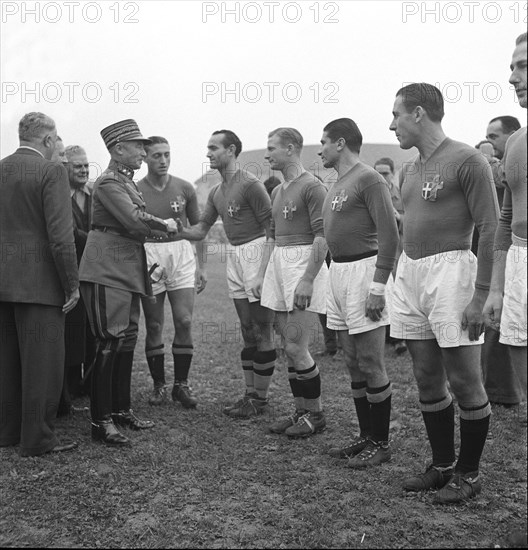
x,y
39,284
79,340
113,275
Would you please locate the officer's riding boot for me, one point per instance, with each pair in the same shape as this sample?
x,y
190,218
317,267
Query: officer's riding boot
x,y
103,428
121,380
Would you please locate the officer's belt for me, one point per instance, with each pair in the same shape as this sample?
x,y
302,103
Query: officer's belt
x,y
111,230
354,257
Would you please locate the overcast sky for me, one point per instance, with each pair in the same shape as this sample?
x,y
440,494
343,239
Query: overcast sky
x,y
183,69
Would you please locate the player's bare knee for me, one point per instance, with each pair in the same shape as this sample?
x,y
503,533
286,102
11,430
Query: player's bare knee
x,y
351,363
370,361
154,327
468,392
183,323
294,351
430,387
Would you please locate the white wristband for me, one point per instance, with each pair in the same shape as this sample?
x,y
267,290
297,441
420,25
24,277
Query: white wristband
x,y
378,289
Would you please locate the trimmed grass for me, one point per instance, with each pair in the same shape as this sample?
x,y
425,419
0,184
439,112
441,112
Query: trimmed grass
x,y
200,479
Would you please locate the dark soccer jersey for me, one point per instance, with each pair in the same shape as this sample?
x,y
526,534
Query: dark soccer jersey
x,y
296,211
444,198
244,206
176,200
513,213
359,217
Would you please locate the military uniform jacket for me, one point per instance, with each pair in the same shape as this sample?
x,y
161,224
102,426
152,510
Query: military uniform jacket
x,y
37,254
114,255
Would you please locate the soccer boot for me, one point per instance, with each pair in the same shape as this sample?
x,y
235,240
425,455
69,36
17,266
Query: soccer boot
x,y
434,477
308,424
182,392
159,396
252,406
355,447
374,454
238,403
281,425
157,371
459,488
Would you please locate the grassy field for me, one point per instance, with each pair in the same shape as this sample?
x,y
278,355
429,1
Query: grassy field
x,y
199,479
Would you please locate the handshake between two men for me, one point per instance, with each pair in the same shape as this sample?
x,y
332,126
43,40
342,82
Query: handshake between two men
x,y
161,229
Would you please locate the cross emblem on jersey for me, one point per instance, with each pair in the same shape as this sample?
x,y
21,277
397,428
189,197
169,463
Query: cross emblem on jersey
x,y
288,210
232,209
430,188
178,204
338,200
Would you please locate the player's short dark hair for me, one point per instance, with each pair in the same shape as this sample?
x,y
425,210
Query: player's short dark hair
x,y
230,138
385,160
509,123
347,129
271,183
155,141
425,95
287,136
521,38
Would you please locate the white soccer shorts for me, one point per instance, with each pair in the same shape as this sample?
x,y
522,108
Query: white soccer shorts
x,y
176,262
513,318
430,296
285,269
347,294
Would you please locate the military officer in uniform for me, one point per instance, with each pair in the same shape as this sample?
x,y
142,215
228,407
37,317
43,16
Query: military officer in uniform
x,y
113,274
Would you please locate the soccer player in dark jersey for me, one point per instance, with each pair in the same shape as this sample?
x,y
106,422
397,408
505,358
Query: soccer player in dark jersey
x,y
244,205
506,303
500,379
362,235
175,276
292,276
385,167
440,287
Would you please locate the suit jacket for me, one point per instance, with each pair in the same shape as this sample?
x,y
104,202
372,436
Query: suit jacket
x,y
81,223
115,256
38,264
